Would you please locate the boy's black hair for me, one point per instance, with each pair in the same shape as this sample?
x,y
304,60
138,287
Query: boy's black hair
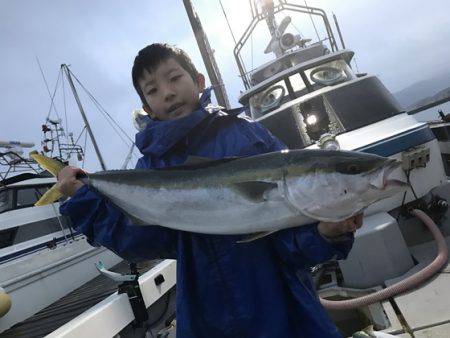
x,y
151,56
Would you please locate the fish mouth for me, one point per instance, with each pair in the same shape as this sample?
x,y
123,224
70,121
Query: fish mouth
x,y
383,181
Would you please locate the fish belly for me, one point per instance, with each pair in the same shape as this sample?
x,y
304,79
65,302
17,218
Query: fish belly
x,y
210,211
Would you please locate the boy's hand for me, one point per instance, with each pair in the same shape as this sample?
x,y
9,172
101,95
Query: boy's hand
x,y
67,182
331,229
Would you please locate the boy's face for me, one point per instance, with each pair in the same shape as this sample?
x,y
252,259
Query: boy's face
x,y
170,91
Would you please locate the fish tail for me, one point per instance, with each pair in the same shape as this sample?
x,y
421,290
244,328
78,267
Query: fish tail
x,y
51,165
51,195
54,167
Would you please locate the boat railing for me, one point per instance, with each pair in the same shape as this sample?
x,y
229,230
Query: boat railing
x,y
266,13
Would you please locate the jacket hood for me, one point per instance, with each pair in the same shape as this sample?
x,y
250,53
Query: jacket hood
x,y
159,136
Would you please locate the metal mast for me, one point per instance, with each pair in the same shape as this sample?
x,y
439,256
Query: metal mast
x,y
207,55
86,122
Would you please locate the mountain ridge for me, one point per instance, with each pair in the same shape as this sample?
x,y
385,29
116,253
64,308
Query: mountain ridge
x,y
424,92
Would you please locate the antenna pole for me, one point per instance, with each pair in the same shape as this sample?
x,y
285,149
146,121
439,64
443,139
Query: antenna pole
x,y
339,31
86,122
207,55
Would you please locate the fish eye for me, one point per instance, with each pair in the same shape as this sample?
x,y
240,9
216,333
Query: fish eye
x,y
348,169
352,169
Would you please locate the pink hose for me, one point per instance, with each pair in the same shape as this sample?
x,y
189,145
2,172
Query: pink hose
x,y
407,283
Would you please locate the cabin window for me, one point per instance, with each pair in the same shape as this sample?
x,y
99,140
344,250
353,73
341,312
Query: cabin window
x,y
268,99
298,85
329,74
7,237
27,196
274,96
6,201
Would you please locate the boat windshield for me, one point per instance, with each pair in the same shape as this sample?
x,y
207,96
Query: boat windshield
x,y
329,74
26,197
279,93
16,198
299,84
326,98
6,201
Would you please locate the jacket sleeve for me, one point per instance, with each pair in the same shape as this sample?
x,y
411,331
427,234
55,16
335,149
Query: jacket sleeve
x,y
105,225
304,247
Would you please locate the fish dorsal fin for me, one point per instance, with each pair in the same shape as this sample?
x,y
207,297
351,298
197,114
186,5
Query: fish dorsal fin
x,y
254,190
255,236
193,160
199,162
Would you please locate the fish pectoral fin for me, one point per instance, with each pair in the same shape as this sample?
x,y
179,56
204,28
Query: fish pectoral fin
x,y
254,190
51,195
255,236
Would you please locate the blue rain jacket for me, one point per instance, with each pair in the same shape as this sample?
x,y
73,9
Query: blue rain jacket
x,y
224,289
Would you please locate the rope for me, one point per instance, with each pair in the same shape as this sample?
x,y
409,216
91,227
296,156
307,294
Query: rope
x,y
60,223
312,20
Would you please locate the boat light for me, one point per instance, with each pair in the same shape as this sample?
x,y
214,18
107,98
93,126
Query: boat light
x,y
311,119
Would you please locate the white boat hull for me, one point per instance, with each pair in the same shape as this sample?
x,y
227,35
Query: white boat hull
x,y
38,279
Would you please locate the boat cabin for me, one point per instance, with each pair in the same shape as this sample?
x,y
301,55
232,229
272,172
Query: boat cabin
x,y
309,89
322,95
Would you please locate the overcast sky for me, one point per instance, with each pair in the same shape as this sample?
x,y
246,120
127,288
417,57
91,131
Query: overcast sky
x,y
401,41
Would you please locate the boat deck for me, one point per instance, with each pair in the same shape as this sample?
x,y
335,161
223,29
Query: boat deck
x,y
71,305
432,318
425,311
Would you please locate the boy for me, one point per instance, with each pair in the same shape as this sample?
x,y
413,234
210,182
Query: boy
x,y
224,289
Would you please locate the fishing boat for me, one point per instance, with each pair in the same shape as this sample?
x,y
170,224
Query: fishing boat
x,y
309,95
42,258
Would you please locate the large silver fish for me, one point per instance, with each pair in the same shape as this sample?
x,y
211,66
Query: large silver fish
x,y
261,193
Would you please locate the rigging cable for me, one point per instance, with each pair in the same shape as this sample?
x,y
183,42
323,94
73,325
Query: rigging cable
x,y
79,136
298,30
83,150
97,105
103,111
228,23
312,20
108,117
408,173
354,60
52,97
